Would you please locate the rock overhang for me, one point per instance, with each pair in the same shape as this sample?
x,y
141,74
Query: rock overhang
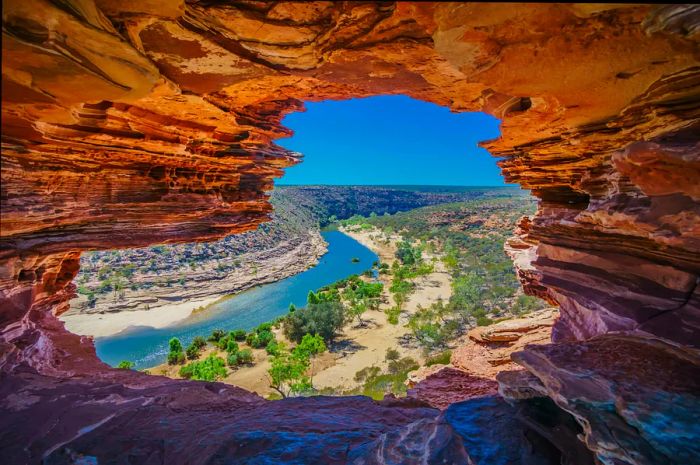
x,y
130,123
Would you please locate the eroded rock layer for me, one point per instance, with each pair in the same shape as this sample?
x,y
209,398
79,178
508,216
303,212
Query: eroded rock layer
x,y
638,399
131,123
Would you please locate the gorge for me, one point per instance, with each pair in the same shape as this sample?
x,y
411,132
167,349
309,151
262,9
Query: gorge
x,y
126,124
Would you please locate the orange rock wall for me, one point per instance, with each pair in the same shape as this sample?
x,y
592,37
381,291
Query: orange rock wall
x,y
130,123
126,124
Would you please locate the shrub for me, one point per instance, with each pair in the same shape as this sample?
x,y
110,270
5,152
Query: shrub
x,y
250,338
175,345
273,348
443,358
263,327
238,334
192,352
366,373
125,365
176,358
232,347
232,360
483,321
199,342
309,346
209,369
392,355
245,356
377,384
262,339
392,315
223,343
403,365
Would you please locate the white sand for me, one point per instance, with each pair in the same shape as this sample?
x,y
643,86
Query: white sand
x,y
108,324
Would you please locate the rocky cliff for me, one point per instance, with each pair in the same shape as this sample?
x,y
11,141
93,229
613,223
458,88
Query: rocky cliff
x,y
132,123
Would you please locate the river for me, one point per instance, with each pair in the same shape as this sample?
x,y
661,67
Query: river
x,y
147,346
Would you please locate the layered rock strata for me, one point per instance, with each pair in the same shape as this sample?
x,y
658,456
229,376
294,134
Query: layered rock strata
x,y
637,399
131,123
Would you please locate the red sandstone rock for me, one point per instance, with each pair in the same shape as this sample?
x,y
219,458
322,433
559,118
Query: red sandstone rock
x,y
486,350
448,386
638,399
475,363
131,123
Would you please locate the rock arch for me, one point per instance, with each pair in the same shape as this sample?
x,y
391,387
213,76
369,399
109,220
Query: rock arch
x,y
129,123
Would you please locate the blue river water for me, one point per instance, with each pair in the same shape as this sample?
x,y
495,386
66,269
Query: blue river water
x,y
147,346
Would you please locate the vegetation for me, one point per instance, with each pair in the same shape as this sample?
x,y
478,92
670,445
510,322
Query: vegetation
x,y
195,347
216,335
125,365
376,384
443,358
211,368
323,318
469,236
109,275
289,371
175,356
245,356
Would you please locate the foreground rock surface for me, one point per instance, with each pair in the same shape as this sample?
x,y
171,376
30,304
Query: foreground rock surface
x,y
127,124
638,399
133,418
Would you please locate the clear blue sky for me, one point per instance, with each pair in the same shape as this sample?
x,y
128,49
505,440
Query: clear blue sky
x,y
390,140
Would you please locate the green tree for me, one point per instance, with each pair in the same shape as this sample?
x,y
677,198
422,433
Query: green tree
x,y
261,339
308,348
287,374
192,352
324,319
312,298
176,355
125,365
199,342
175,345
274,348
356,309
232,347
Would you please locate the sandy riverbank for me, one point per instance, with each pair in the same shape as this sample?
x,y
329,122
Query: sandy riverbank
x,y
165,306
109,324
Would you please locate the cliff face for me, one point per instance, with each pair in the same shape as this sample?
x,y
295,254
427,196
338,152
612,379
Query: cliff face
x,y
131,123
